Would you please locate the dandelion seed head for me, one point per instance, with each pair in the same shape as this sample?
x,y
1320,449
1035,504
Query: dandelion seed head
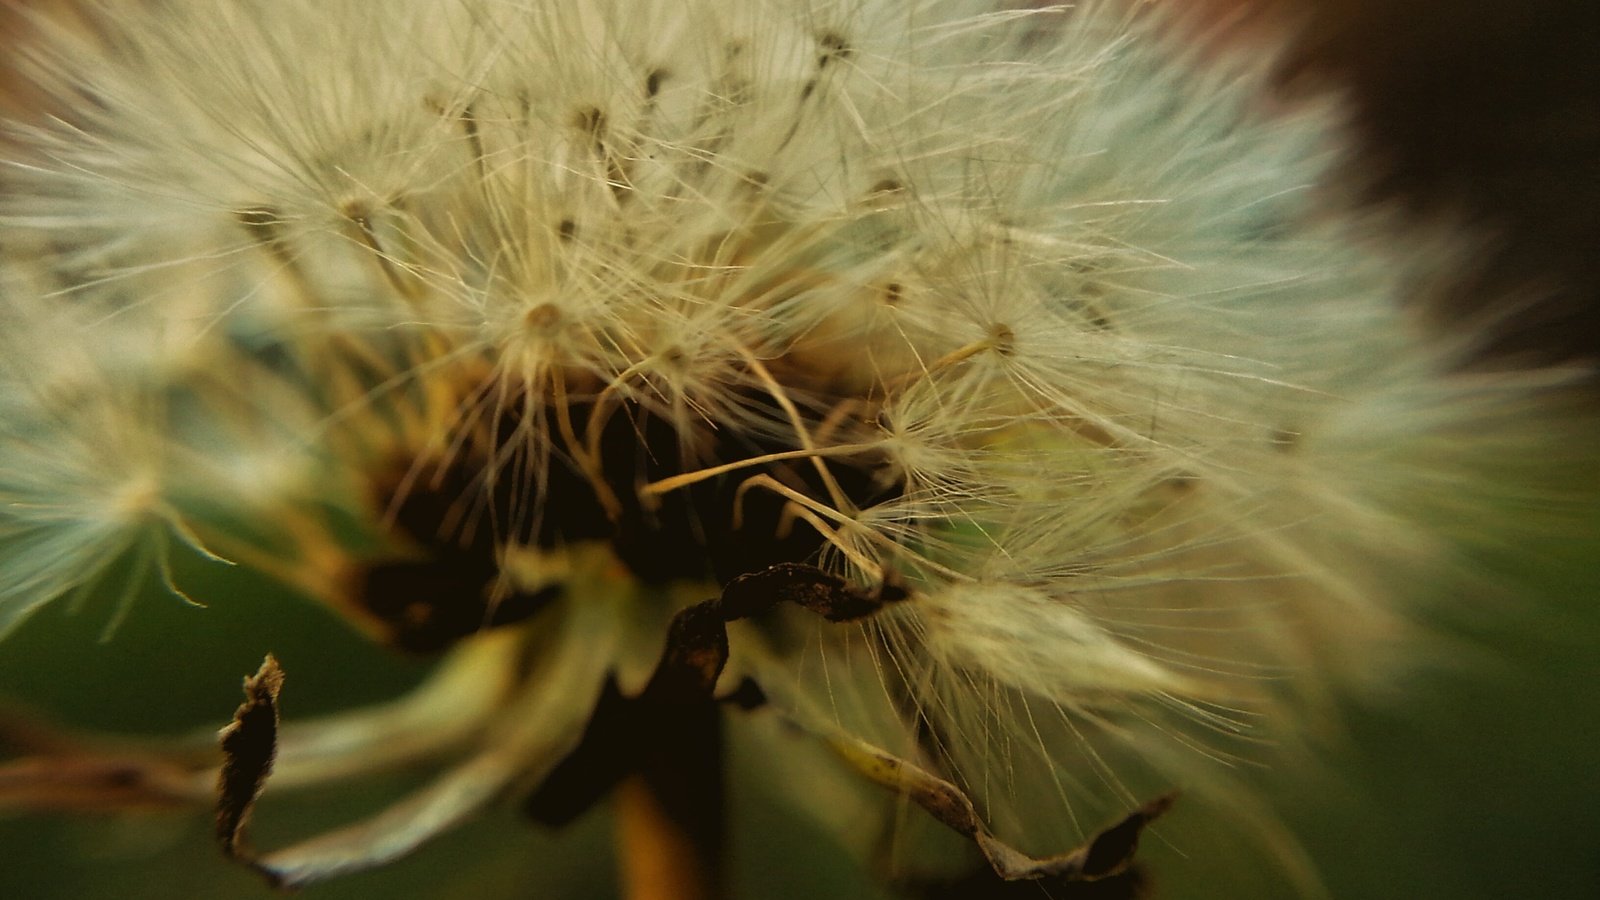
x,y
1033,316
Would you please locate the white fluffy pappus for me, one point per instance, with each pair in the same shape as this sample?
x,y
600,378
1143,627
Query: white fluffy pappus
x,y
1032,314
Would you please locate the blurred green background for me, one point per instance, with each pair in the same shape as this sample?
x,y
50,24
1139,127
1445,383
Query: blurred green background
x,y
1479,782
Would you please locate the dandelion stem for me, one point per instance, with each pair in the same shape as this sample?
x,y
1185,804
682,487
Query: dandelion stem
x,y
670,814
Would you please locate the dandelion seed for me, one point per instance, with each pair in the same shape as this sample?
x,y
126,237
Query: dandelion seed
x,y
998,395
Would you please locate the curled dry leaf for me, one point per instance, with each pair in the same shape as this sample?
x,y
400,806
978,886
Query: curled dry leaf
x,y
249,746
1109,853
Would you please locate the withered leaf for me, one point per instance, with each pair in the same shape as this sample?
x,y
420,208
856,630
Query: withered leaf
x,y
697,639
1107,854
806,586
1111,851
249,746
696,651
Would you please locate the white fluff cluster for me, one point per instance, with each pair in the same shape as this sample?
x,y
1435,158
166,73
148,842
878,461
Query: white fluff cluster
x,y
1033,313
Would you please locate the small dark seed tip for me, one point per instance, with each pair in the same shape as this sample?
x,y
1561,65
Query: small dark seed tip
x,y
358,211
591,120
652,82
834,46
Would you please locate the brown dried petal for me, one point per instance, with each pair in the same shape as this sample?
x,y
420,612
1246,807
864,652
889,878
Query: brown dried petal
x,y
249,746
1108,853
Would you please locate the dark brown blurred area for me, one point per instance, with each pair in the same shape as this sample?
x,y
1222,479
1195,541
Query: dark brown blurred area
x,y
1486,109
